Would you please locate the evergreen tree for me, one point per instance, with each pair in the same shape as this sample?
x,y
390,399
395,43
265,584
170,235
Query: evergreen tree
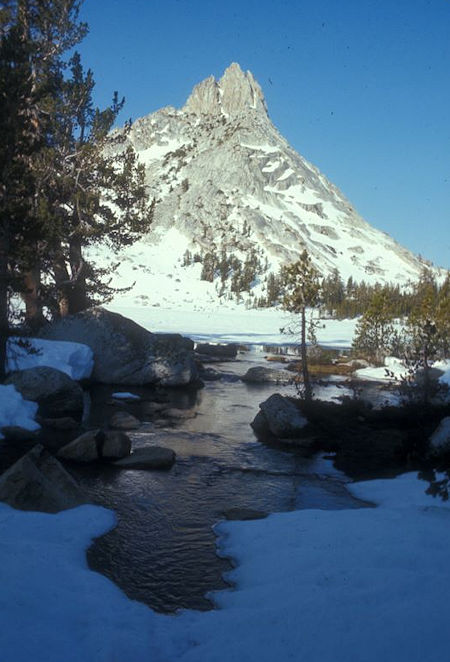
x,y
61,187
273,289
33,35
209,267
374,331
443,318
100,192
301,290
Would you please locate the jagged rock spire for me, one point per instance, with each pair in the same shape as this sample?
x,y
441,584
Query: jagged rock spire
x,y
236,92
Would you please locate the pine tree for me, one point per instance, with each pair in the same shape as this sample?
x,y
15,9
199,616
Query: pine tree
x,y
33,35
301,290
443,318
374,332
209,267
61,187
273,289
92,193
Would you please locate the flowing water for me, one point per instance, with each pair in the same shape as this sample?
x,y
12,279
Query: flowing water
x,y
163,550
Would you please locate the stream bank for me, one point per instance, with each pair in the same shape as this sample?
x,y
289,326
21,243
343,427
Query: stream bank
x,y
163,550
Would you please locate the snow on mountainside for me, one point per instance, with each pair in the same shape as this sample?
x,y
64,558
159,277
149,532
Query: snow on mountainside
x,y
229,188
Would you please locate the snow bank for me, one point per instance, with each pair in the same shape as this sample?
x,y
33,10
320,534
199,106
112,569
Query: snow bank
x,y
391,363
75,359
14,410
313,585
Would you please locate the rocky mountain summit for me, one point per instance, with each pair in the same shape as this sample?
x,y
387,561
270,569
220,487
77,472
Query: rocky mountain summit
x,y
231,190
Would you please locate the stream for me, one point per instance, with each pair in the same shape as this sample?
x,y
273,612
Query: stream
x,y
163,549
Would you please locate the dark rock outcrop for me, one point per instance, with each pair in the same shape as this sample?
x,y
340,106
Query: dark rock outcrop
x,y
126,353
39,482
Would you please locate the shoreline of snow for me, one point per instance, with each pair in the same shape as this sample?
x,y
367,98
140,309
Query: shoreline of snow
x,y
356,573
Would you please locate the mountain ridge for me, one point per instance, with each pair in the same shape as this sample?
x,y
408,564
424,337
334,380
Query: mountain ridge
x,y
224,177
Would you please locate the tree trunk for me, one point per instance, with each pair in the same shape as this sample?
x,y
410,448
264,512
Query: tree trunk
x,y
305,371
34,317
71,286
4,322
62,282
78,298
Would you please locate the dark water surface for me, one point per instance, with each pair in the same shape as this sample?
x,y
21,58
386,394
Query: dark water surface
x,y
163,550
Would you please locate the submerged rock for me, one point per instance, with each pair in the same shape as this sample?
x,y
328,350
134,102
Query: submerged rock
x,y
152,457
39,482
263,375
126,353
54,391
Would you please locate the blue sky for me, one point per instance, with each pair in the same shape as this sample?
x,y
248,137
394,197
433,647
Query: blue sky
x,y
361,88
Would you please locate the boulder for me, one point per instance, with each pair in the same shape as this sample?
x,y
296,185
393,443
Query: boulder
x,y
82,449
152,457
126,353
97,445
439,442
279,417
114,444
39,482
54,391
219,351
122,420
262,375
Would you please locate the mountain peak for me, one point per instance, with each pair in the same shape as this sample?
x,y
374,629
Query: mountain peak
x,y
236,92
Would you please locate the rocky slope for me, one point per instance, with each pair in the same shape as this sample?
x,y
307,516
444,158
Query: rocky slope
x,y
233,194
